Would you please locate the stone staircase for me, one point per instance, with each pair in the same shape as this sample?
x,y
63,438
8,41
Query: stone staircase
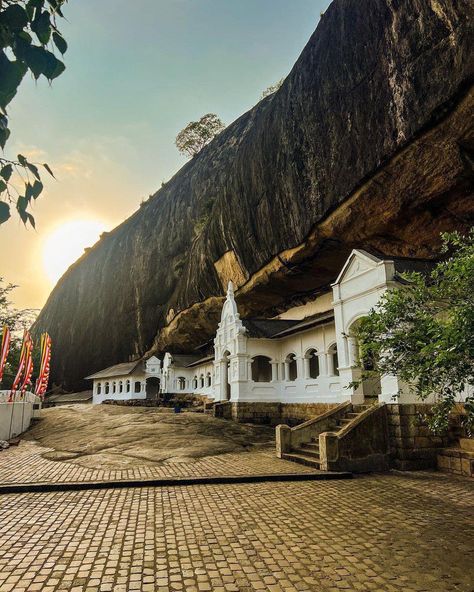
x,y
308,453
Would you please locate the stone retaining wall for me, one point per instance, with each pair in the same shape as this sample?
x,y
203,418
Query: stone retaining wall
x,y
412,445
272,414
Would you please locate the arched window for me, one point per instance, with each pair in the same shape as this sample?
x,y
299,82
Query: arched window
x,y
201,381
99,388
208,379
292,370
127,386
120,386
138,386
334,360
114,387
181,383
195,382
312,355
107,388
261,369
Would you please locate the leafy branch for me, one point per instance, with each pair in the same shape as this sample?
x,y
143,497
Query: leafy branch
x,y
423,332
29,42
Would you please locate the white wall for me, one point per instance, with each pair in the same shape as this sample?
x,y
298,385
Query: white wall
x,y
171,375
326,387
125,395
16,417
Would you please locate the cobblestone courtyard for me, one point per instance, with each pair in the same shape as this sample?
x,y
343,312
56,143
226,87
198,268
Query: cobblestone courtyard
x,y
393,532
398,532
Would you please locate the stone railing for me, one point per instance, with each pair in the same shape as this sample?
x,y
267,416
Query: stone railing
x,y
289,438
361,446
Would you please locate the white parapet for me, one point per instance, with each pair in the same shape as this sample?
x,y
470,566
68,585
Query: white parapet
x,y
16,416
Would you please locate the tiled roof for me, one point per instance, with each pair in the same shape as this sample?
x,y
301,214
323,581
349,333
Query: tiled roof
x,y
266,327
312,321
81,397
184,360
123,369
200,361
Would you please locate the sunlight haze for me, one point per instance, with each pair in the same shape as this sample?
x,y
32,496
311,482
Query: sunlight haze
x,y
136,74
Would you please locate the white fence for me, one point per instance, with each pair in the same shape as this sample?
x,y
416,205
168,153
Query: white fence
x,y
16,417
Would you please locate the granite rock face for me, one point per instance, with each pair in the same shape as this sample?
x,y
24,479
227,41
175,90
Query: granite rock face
x,y
368,143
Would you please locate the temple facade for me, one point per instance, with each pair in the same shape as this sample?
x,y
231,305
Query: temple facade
x,y
127,381
308,354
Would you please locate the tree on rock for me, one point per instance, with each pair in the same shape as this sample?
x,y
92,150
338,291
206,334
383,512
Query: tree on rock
x,y
271,90
197,134
423,332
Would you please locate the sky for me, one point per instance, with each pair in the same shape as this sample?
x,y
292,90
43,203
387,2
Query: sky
x,y
137,73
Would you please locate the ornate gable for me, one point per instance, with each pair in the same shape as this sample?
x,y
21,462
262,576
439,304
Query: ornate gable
x,y
359,262
230,330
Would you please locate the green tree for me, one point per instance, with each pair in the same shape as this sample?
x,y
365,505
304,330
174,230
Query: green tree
x,y
197,134
424,332
29,42
17,321
271,90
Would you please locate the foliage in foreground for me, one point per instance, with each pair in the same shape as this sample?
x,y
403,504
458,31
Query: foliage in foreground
x,y
197,134
17,321
30,42
424,333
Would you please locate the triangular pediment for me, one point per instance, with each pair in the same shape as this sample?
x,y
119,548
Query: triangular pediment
x,y
358,262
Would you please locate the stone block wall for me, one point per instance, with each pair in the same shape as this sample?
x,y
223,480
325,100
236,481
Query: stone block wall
x,y
365,447
271,413
412,445
295,413
456,461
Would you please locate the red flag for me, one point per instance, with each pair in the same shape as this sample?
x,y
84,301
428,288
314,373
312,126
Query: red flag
x,y
28,366
6,337
21,366
43,378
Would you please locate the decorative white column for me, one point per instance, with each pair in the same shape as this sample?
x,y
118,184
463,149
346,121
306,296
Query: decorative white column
x,y
274,371
353,347
330,364
287,372
307,370
299,367
322,364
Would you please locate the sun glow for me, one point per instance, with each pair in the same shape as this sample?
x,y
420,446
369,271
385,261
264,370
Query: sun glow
x,y
66,244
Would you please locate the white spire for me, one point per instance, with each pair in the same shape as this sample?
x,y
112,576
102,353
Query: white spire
x,y
230,290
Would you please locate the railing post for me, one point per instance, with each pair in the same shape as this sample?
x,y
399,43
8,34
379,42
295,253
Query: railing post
x,y
328,450
283,439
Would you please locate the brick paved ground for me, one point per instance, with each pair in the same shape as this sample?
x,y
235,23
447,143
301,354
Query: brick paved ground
x,y
24,464
409,532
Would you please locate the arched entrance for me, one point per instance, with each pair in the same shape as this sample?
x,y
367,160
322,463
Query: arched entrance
x,y
153,388
371,387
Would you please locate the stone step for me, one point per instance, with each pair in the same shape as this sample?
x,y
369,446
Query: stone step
x,y
307,452
352,415
313,445
301,459
360,408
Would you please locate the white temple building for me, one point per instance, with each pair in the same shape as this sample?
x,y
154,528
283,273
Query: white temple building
x,y
130,380
305,355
